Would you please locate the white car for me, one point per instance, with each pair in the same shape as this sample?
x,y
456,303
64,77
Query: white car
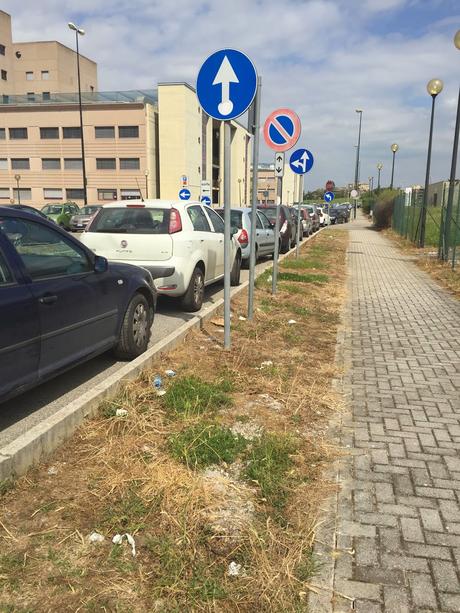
x,y
324,217
180,243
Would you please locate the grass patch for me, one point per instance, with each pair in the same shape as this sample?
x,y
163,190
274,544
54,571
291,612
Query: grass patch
x,y
11,566
265,279
128,512
305,278
189,396
6,485
206,444
303,264
302,311
308,566
293,288
269,461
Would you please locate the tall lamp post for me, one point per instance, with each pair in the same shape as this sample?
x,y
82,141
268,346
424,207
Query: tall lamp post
x,y
379,168
80,32
394,149
360,113
18,178
146,173
434,87
453,169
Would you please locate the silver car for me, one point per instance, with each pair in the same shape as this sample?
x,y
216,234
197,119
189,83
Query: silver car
x,y
79,221
265,233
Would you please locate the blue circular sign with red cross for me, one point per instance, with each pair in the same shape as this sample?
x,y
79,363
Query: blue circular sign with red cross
x,y
282,129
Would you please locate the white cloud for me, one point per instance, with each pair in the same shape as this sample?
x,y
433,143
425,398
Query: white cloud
x,y
320,57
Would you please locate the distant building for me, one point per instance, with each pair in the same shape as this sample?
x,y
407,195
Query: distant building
x,y
266,185
438,193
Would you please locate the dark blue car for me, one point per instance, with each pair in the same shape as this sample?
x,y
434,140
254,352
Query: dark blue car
x,y
60,304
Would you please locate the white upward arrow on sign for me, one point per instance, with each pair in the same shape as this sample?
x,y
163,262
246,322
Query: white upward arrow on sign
x,y
302,161
225,75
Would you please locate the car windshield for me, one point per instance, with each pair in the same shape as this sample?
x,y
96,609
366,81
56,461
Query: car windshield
x,y
52,209
89,210
270,212
137,220
236,218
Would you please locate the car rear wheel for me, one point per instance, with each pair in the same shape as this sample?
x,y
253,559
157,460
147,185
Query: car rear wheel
x,y
135,329
236,271
192,300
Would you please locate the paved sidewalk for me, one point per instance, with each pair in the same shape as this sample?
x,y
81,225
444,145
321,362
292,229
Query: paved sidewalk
x,y
398,516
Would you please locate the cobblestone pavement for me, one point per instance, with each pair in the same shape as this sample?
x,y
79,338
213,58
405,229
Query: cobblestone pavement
x,y
397,527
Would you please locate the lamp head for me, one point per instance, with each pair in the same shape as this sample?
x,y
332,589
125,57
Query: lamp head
x,y
75,28
434,87
394,147
146,172
379,166
358,110
17,177
457,39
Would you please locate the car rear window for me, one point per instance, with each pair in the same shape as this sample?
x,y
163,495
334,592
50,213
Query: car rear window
x,y
270,212
88,210
236,218
131,221
52,210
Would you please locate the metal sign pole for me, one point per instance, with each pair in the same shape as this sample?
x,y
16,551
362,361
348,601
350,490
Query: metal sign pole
x,y
277,235
298,216
255,165
227,234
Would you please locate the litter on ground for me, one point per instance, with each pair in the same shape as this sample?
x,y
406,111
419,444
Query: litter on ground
x,y
118,540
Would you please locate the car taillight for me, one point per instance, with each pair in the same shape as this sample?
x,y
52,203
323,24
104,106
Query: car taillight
x,y
175,222
243,238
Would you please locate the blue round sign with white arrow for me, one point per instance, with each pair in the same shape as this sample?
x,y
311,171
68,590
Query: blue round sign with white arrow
x,y
184,194
206,200
328,196
301,161
226,84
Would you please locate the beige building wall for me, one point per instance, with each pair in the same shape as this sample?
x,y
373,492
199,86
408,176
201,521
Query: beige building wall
x,y
34,148
267,182
37,67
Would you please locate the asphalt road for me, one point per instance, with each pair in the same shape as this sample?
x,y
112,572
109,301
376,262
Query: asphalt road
x,y
23,412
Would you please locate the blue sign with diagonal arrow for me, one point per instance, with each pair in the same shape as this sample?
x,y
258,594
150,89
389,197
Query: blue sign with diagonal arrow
x,y
301,161
226,84
328,196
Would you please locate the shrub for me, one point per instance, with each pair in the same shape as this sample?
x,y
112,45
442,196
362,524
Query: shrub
x,y
383,209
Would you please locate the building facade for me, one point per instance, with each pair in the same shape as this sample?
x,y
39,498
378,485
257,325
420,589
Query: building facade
x,y
267,182
35,70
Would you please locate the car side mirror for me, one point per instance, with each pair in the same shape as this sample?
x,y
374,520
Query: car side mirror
x,y
101,264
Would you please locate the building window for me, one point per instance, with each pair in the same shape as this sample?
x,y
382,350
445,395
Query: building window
x,y
130,194
18,133
106,163
46,96
45,75
129,164
2,49
29,76
104,132
49,132
2,133
52,193
5,192
128,131
20,164
4,75
75,193
51,164
5,99
73,163
106,194
25,193
30,97
71,132
3,164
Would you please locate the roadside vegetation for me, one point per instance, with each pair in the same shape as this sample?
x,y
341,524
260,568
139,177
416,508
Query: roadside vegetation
x,y
219,480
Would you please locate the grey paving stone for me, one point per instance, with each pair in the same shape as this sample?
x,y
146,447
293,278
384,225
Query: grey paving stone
x,y
445,576
396,599
422,590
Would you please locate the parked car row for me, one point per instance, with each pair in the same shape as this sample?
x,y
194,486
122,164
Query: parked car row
x,y
339,213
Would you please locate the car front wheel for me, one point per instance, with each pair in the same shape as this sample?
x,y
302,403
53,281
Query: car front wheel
x,y
135,329
236,271
193,298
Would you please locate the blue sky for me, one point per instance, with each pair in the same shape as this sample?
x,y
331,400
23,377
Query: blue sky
x,y
323,58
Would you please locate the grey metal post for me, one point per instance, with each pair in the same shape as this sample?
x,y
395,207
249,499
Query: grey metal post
x,y
82,139
298,215
227,234
450,196
277,235
255,165
421,241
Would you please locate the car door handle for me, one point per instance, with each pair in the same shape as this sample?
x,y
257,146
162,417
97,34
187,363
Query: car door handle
x,y
48,299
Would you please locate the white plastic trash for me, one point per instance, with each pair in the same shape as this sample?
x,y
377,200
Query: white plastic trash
x,y
292,321
121,413
95,537
234,569
118,540
170,373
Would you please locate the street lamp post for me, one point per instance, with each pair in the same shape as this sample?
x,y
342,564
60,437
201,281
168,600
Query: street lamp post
x,y
453,169
394,149
18,178
146,173
80,32
434,87
360,113
379,168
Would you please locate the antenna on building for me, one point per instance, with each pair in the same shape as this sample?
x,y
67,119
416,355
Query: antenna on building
x,y
140,191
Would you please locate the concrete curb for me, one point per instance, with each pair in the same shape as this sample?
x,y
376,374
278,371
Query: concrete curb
x,y
42,439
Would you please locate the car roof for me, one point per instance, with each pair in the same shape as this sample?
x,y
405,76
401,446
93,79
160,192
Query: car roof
x,y
150,203
6,211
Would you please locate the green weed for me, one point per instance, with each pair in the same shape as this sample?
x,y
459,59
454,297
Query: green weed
x,y
303,264
128,513
11,566
206,444
308,567
305,278
190,395
6,485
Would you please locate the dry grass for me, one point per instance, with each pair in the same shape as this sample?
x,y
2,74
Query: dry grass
x,y
117,475
427,260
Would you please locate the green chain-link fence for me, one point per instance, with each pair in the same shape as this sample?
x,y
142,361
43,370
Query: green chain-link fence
x,y
407,217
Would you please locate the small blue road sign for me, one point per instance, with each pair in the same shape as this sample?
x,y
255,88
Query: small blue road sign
x,y
206,200
184,194
226,84
301,161
328,196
